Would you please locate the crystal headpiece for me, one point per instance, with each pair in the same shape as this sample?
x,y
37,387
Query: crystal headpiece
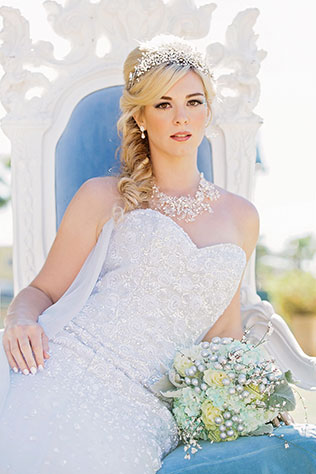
x,y
167,49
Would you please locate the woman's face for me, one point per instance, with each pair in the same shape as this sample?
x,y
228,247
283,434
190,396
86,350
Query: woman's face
x,y
182,109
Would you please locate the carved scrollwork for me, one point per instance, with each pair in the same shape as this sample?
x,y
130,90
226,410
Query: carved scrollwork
x,y
123,23
238,91
15,51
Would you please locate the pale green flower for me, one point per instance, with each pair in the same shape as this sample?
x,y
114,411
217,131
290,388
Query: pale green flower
x,y
184,359
214,377
214,436
209,413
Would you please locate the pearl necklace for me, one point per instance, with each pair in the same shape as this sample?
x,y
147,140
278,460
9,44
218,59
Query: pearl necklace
x,y
186,207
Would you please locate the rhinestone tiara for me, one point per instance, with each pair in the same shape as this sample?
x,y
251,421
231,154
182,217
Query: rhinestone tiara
x,y
167,49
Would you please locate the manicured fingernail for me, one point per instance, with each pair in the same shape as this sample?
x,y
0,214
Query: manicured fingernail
x,y
15,369
33,370
25,372
40,367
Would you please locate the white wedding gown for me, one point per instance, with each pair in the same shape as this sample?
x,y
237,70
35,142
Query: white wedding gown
x,y
91,410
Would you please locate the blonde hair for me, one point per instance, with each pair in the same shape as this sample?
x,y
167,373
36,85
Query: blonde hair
x,y
136,176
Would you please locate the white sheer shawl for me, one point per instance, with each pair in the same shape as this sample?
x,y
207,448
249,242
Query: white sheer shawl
x,y
56,316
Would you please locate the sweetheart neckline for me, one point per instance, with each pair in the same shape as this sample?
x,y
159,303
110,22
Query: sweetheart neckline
x,y
177,226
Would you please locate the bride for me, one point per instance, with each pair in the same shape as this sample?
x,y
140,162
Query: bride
x,y
144,263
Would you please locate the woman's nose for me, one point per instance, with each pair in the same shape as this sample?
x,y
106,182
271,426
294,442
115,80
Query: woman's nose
x,y
180,116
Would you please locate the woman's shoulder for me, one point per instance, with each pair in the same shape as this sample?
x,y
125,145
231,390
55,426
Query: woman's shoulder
x,y
102,192
239,205
245,216
101,183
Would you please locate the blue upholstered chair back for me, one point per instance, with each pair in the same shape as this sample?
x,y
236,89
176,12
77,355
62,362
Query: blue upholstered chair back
x,y
87,146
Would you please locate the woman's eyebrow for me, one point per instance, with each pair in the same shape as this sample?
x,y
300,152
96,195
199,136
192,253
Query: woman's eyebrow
x,y
190,95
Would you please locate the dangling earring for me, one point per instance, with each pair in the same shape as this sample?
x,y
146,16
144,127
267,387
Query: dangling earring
x,y
142,129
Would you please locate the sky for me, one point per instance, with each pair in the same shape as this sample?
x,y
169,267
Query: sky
x,y
285,193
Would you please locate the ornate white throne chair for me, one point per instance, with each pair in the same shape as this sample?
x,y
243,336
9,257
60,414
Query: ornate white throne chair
x,y
67,134
54,151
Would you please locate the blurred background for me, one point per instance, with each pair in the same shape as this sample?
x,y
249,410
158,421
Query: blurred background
x,y
285,193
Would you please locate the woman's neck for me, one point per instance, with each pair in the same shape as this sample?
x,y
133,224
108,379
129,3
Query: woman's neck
x,y
178,184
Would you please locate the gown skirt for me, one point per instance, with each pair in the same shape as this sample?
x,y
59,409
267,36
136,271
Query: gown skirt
x,y
82,414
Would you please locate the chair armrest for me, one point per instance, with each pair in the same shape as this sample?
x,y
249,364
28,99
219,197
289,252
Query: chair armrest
x,y
281,344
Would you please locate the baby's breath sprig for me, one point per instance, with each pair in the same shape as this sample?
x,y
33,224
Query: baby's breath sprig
x,y
244,339
268,333
189,437
287,443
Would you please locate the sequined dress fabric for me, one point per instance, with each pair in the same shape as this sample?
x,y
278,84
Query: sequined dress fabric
x,y
91,409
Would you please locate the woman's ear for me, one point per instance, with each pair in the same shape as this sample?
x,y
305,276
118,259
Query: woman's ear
x,y
136,120
139,119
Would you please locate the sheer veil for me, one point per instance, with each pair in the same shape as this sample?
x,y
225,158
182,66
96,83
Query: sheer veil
x,y
56,316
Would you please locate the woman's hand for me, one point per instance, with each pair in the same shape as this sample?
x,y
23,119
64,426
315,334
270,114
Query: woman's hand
x,y
284,416
25,345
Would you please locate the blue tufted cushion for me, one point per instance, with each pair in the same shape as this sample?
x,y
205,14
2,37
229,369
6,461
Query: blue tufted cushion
x,y
87,146
250,455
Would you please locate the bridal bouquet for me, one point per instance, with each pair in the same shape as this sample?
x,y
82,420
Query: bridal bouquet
x,y
224,389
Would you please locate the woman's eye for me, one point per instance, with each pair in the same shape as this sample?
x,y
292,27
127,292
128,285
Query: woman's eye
x,y
164,105
160,106
195,101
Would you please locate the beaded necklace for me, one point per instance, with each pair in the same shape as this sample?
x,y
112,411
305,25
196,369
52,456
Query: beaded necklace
x,y
186,207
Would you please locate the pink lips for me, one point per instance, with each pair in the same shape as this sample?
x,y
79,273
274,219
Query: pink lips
x,y
181,136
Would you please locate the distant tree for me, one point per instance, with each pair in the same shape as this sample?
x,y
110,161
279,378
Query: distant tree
x,y
279,272
263,269
5,166
261,250
300,250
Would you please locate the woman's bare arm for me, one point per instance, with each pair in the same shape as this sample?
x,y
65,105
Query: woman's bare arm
x,y
229,323
76,236
29,303
87,212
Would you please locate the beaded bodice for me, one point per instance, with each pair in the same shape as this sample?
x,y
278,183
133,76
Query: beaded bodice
x,y
157,292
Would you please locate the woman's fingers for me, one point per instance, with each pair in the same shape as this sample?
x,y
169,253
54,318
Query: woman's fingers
x,y
20,348
26,350
276,422
45,345
26,347
36,343
10,358
286,417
